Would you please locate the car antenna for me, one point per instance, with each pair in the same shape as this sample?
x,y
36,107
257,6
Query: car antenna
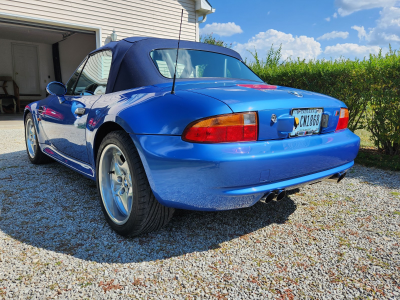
x,y
177,53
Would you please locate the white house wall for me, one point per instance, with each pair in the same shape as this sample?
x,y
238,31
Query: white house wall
x,y
45,60
154,18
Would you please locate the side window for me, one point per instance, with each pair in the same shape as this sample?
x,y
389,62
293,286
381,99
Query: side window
x,y
71,82
94,77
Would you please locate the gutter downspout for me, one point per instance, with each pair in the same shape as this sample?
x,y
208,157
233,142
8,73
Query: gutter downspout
x,y
203,8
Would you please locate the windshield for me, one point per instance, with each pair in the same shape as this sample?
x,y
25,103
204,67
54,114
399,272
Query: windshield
x,y
200,64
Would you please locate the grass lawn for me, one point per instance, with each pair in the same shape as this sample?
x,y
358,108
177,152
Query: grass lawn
x,y
365,137
370,156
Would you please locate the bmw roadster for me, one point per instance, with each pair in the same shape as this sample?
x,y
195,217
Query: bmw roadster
x,y
222,140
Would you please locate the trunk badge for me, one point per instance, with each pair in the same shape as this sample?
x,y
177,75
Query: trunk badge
x,y
296,94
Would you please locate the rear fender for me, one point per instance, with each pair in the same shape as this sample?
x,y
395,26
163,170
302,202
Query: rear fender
x,y
168,114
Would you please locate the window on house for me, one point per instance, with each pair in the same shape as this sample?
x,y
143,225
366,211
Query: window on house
x,y
94,76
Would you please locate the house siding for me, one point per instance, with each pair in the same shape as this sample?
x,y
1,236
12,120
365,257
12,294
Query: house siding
x,y
154,18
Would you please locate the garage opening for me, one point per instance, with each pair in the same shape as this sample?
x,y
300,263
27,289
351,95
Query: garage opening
x,y
32,55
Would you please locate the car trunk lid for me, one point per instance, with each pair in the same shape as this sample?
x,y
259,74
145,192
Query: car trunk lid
x,y
278,107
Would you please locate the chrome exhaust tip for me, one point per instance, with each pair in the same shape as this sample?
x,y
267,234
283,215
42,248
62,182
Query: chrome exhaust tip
x,y
274,195
336,177
280,195
341,177
268,197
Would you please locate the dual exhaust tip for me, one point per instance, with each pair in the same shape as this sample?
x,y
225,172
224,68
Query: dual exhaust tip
x,y
336,177
280,194
275,195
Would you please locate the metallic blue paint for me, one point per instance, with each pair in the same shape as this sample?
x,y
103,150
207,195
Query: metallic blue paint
x,y
285,124
192,175
85,169
173,112
247,99
222,176
66,132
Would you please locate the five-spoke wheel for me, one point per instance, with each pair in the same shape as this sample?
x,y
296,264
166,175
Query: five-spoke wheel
x,y
35,154
127,200
115,183
30,135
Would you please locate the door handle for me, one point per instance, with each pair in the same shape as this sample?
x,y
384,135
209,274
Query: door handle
x,y
80,111
41,110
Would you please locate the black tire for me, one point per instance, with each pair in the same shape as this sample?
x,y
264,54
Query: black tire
x,y
37,157
147,214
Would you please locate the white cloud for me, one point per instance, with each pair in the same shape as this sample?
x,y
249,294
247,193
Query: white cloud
x,y
334,35
347,7
386,31
327,19
335,15
362,34
222,29
292,46
350,50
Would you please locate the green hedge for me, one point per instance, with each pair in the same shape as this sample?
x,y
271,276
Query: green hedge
x,y
369,87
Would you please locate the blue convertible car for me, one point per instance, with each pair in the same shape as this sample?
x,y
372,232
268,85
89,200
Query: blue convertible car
x,y
222,140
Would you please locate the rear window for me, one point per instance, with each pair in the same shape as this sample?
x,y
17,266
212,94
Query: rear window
x,y
200,64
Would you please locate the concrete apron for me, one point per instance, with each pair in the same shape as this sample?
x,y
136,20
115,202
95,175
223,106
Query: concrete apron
x,y
11,121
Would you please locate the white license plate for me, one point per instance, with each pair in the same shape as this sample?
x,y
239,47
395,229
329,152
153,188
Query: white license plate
x,y
307,121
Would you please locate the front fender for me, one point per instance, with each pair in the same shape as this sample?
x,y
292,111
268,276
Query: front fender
x,y
33,109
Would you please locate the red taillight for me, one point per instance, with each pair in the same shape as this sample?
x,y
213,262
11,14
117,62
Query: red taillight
x,y
343,119
259,86
241,127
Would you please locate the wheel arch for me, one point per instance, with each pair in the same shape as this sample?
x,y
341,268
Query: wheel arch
x,y
101,133
26,112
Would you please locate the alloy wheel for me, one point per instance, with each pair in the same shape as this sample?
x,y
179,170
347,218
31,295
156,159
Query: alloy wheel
x,y
115,182
30,136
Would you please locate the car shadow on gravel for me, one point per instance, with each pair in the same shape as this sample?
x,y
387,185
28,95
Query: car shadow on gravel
x,y
53,208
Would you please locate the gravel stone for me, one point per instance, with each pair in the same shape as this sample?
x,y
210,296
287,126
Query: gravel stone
x,y
324,241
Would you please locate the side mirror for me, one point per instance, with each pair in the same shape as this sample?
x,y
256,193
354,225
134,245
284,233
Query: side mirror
x,y
58,89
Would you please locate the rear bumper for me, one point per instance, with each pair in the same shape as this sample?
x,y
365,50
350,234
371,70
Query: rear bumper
x,y
234,175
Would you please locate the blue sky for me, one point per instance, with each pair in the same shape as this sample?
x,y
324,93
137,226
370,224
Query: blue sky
x,y
307,29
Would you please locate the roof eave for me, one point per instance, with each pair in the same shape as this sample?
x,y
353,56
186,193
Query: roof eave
x,y
203,8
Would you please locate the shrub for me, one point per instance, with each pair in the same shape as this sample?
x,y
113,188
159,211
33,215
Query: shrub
x,y
383,114
210,39
369,85
338,79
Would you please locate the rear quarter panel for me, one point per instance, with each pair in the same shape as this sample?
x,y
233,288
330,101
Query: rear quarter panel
x,y
149,110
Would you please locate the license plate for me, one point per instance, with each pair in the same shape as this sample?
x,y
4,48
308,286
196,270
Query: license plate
x,y
307,121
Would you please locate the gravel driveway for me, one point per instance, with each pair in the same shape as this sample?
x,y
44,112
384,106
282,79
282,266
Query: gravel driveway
x,y
326,241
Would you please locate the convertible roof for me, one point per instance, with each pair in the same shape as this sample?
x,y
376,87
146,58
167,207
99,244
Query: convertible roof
x,y
133,67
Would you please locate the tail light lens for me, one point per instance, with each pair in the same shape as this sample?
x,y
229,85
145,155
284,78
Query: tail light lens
x,y
240,127
343,119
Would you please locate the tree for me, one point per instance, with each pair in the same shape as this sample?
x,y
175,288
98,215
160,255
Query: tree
x,y
210,39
